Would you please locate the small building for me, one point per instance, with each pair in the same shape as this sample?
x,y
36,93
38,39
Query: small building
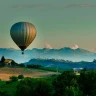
x,y
76,70
8,61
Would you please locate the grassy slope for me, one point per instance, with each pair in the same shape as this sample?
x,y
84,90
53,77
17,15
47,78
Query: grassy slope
x,y
6,72
10,89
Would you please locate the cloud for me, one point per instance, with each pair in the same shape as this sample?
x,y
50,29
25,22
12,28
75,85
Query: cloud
x,y
48,46
76,5
80,5
29,6
53,6
75,47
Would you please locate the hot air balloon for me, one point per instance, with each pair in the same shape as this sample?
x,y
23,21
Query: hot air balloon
x,y
23,34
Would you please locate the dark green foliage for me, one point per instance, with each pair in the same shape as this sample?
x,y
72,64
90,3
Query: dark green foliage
x,y
43,88
8,82
34,66
66,84
20,76
8,89
2,64
26,87
34,87
2,59
72,91
21,65
87,82
85,69
51,69
13,78
4,93
13,63
66,80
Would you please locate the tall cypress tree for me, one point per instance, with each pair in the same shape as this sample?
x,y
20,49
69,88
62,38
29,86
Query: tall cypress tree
x,y
2,59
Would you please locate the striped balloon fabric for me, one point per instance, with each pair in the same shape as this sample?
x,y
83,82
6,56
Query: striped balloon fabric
x,y
23,33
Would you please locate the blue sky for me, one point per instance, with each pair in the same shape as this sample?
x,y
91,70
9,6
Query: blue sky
x,y
59,23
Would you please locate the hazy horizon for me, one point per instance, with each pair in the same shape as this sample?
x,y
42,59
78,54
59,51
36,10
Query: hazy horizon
x,y
10,48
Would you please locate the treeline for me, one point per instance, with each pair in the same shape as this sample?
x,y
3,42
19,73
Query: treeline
x,y
66,84
34,66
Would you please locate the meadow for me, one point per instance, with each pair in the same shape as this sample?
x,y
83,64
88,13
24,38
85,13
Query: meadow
x,y
6,72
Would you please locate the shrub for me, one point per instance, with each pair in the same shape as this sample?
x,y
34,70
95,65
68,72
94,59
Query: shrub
x,y
13,78
20,76
8,82
21,65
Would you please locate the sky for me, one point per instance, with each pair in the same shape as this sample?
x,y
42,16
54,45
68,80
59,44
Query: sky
x,y
59,23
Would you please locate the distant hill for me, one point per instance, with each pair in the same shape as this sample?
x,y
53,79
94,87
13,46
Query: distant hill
x,y
62,64
65,53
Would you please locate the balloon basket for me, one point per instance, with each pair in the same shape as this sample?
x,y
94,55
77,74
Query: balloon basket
x,y
22,53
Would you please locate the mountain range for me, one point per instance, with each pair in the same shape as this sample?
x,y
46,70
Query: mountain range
x,y
65,53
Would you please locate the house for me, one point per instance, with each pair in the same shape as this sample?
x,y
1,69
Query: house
x,y
8,61
76,70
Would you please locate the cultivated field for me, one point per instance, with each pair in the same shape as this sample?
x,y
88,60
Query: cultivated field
x,y
6,72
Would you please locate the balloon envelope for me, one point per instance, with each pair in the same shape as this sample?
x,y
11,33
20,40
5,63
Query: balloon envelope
x,y
23,33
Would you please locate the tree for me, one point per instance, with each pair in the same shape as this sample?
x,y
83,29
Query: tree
x,y
13,78
67,78
20,76
2,59
21,65
94,60
72,91
85,69
26,87
34,87
87,82
13,63
43,88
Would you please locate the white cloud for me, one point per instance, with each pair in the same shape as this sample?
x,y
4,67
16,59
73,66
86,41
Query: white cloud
x,y
75,47
80,5
48,46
